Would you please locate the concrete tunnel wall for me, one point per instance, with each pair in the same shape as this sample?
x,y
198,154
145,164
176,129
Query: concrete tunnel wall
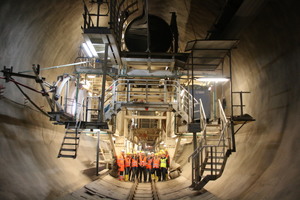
x,y
46,33
266,164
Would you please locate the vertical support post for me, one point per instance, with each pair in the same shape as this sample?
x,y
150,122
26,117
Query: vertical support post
x,y
215,101
98,14
241,99
231,92
66,96
101,117
76,96
147,91
128,91
97,153
196,160
178,92
87,109
165,91
193,102
148,32
231,102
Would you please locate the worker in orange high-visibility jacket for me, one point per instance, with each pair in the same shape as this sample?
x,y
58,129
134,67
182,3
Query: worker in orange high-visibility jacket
x,y
127,166
152,171
134,166
155,167
121,166
142,165
149,166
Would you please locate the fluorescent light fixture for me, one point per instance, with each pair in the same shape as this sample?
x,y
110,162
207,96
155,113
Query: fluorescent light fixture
x,y
91,76
92,49
182,92
162,142
87,50
212,79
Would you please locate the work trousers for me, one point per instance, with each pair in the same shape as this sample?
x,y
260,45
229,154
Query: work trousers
x,y
134,173
143,171
127,170
164,172
149,172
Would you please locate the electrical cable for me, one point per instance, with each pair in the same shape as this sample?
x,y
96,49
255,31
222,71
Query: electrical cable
x,y
30,88
36,106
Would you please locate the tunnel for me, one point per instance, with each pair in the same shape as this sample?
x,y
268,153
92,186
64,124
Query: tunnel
x,y
265,62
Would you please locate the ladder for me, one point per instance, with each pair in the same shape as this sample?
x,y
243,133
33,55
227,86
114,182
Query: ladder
x,y
70,141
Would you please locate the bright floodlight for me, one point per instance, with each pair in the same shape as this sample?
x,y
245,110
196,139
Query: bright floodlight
x,y
91,76
212,79
87,50
92,49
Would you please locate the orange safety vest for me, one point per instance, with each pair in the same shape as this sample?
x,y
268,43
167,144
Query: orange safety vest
x,y
127,162
149,163
134,162
120,162
143,161
156,163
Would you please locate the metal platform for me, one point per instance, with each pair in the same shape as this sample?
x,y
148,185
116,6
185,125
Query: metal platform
x,y
88,125
208,54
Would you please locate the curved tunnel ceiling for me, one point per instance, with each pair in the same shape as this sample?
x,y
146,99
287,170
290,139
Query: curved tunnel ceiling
x,y
266,164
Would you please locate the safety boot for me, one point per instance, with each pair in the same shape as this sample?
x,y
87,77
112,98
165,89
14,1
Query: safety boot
x,y
152,177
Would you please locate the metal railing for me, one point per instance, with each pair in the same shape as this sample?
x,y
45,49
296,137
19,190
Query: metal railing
x,y
130,91
214,149
92,20
202,116
149,91
120,10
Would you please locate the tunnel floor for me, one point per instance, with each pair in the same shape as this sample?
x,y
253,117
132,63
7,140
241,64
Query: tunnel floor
x,y
108,187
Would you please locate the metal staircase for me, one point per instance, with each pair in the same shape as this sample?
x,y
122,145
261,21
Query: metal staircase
x,y
215,146
70,141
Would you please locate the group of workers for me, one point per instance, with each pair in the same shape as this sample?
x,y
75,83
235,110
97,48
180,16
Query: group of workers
x,y
139,166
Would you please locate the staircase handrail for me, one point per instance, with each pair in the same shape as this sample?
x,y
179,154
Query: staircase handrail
x,y
204,151
224,122
224,125
119,13
202,116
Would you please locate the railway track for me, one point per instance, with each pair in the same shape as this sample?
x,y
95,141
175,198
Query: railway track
x,y
143,191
